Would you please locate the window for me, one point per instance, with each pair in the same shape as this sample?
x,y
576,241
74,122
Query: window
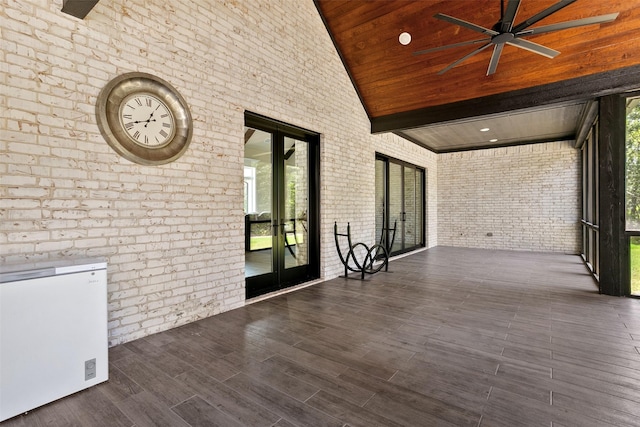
x,y
590,214
632,190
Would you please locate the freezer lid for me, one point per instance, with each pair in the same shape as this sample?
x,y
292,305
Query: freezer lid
x,y
25,271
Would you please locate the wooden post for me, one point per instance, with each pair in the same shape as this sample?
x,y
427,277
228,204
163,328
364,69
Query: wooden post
x,y
614,248
78,8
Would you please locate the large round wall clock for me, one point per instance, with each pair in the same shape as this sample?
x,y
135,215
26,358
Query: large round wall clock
x,y
144,119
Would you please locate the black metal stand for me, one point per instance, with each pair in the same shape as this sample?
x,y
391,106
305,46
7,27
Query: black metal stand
x,y
377,252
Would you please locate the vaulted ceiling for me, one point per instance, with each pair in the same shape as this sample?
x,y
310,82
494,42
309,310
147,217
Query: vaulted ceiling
x,y
529,98
404,93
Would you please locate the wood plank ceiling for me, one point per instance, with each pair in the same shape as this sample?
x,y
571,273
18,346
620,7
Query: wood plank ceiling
x,y
401,91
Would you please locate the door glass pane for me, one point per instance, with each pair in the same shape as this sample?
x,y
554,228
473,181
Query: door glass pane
x,y
409,207
589,187
296,203
380,197
258,182
395,203
586,178
419,207
595,204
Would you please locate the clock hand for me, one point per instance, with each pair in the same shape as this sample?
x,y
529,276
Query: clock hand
x,y
146,124
149,119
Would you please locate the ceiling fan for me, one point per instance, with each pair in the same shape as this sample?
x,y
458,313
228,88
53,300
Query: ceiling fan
x,y
504,32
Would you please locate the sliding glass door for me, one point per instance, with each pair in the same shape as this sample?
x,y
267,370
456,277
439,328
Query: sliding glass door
x,y
281,206
400,190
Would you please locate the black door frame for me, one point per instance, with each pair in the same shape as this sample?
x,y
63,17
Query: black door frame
x,y
281,278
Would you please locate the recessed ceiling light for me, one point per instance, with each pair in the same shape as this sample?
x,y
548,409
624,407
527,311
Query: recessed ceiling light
x,y
484,130
404,38
493,140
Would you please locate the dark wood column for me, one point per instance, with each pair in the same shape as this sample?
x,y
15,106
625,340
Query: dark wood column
x,y
614,248
78,8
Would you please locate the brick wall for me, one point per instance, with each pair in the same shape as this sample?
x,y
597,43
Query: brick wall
x,y
173,234
527,197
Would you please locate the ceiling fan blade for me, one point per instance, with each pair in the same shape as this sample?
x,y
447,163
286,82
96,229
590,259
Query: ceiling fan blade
x,y
495,57
248,134
435,49
465,24
534,47
506,22
540,16
464,58
570,24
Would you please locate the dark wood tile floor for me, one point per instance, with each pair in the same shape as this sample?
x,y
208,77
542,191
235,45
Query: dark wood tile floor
x,y
449,337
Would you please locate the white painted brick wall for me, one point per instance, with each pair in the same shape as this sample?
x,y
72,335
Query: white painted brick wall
x,y
172,234
527,196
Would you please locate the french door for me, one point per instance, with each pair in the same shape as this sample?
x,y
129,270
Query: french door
x,y
400,195
281,205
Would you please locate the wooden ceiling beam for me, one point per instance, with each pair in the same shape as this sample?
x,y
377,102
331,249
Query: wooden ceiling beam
x,y
580,88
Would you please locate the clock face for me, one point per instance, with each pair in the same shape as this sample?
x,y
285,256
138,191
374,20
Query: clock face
x,y
147,120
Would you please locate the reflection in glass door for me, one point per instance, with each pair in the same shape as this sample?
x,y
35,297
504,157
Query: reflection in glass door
x,y
396,211
281,206
296,203
258,180
409,236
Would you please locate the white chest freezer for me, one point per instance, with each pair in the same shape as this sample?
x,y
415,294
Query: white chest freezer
x,y
53,332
